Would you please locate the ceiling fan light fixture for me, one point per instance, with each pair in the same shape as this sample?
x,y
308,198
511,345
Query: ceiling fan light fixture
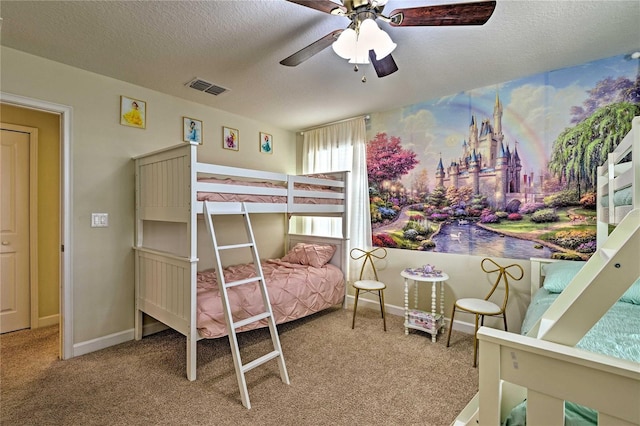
x,y
361,54
368,33
384,45
345,45
355,45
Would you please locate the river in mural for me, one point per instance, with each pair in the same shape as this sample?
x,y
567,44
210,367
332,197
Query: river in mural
x,y
465,239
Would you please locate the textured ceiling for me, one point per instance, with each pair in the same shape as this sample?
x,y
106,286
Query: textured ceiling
x,y
238,44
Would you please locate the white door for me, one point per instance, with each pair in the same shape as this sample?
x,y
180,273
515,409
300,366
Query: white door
x,y
14,223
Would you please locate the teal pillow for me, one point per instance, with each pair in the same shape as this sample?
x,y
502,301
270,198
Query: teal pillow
x,y
633,294
559,274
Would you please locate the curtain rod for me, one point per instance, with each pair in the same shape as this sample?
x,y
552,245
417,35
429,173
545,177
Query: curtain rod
x,y
366,117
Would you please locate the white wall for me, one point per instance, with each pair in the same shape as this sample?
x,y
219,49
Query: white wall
x,y
466,279
103,177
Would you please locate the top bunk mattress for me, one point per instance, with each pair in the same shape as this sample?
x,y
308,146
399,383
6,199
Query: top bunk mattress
x,y
234,190
622,197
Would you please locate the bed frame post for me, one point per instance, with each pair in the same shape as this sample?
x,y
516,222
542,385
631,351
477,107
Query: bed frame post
x,y
489,380
192,333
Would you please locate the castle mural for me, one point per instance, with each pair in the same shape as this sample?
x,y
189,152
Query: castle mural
x,y
485,164
504,171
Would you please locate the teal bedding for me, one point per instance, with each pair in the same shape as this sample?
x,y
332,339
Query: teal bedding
x,y
622,197
617,334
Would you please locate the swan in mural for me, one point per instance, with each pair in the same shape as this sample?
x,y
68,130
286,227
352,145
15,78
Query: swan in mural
x,y
463,222
456,236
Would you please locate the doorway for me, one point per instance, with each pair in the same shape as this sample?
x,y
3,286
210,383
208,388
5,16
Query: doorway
x,y
19,230
62,246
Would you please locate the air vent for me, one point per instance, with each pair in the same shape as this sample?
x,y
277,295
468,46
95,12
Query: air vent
x,y
204,86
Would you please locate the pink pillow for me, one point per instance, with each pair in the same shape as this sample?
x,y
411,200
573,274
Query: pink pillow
x,y
316,255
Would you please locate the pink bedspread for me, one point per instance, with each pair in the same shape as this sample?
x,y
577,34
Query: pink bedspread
x,y
261,198
294,290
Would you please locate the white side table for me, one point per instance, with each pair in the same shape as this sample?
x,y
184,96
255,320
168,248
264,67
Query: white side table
x,y
433,321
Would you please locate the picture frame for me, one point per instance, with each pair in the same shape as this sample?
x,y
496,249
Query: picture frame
x,y
265,143
192,130
230,138
133,112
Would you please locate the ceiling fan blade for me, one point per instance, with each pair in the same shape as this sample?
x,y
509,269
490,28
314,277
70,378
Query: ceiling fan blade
x,y
384,66
326,6
475,13
316,47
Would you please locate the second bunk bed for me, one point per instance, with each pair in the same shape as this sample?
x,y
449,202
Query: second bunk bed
x,y
557,367
178,288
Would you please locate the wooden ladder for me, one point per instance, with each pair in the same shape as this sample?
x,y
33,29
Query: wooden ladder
x,y
232,325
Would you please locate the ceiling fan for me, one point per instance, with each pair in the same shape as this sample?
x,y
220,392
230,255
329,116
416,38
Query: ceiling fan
x,y
473,13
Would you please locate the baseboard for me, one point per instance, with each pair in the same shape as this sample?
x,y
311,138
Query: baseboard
x,y
461,326
154,327
115,339
50,320
102,342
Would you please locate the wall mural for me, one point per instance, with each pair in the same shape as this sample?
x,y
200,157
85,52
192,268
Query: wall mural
x,y
503,171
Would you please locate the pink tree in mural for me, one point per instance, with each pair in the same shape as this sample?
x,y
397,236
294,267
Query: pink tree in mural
x,y
387,162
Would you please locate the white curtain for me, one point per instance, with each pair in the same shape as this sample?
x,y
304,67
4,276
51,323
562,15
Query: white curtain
x,y
339,147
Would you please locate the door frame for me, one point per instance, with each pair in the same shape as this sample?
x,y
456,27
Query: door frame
x,y
33,217
66,209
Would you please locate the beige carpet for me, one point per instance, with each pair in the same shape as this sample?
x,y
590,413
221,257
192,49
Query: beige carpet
x,y
338,376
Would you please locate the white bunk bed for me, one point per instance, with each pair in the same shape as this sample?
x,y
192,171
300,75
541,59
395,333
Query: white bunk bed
x,y
548,366
618,191
171,188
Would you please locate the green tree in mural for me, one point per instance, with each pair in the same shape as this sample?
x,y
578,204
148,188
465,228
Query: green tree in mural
x,y
438,197
387,160
579,150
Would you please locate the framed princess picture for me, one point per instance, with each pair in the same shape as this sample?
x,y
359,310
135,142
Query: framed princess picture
x,y
266,143
230,138
191,130
133,112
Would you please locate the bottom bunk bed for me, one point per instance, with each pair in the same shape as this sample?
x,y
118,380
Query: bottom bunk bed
x,y
616,334
308,279
298,286
582,344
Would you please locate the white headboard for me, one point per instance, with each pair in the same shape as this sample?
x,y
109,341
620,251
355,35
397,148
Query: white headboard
x,y
339,258
538,272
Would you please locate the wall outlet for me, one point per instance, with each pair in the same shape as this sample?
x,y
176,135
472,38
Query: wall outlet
x,y
99,220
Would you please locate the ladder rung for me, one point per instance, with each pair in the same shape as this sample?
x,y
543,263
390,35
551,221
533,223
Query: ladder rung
x,y
241,282
250,320
260,361
235,246
607,253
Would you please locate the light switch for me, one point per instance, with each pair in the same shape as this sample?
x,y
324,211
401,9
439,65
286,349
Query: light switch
x,y
99,220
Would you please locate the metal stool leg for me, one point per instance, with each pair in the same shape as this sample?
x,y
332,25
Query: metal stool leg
x,y
475,344
451,325
384,319
355,307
